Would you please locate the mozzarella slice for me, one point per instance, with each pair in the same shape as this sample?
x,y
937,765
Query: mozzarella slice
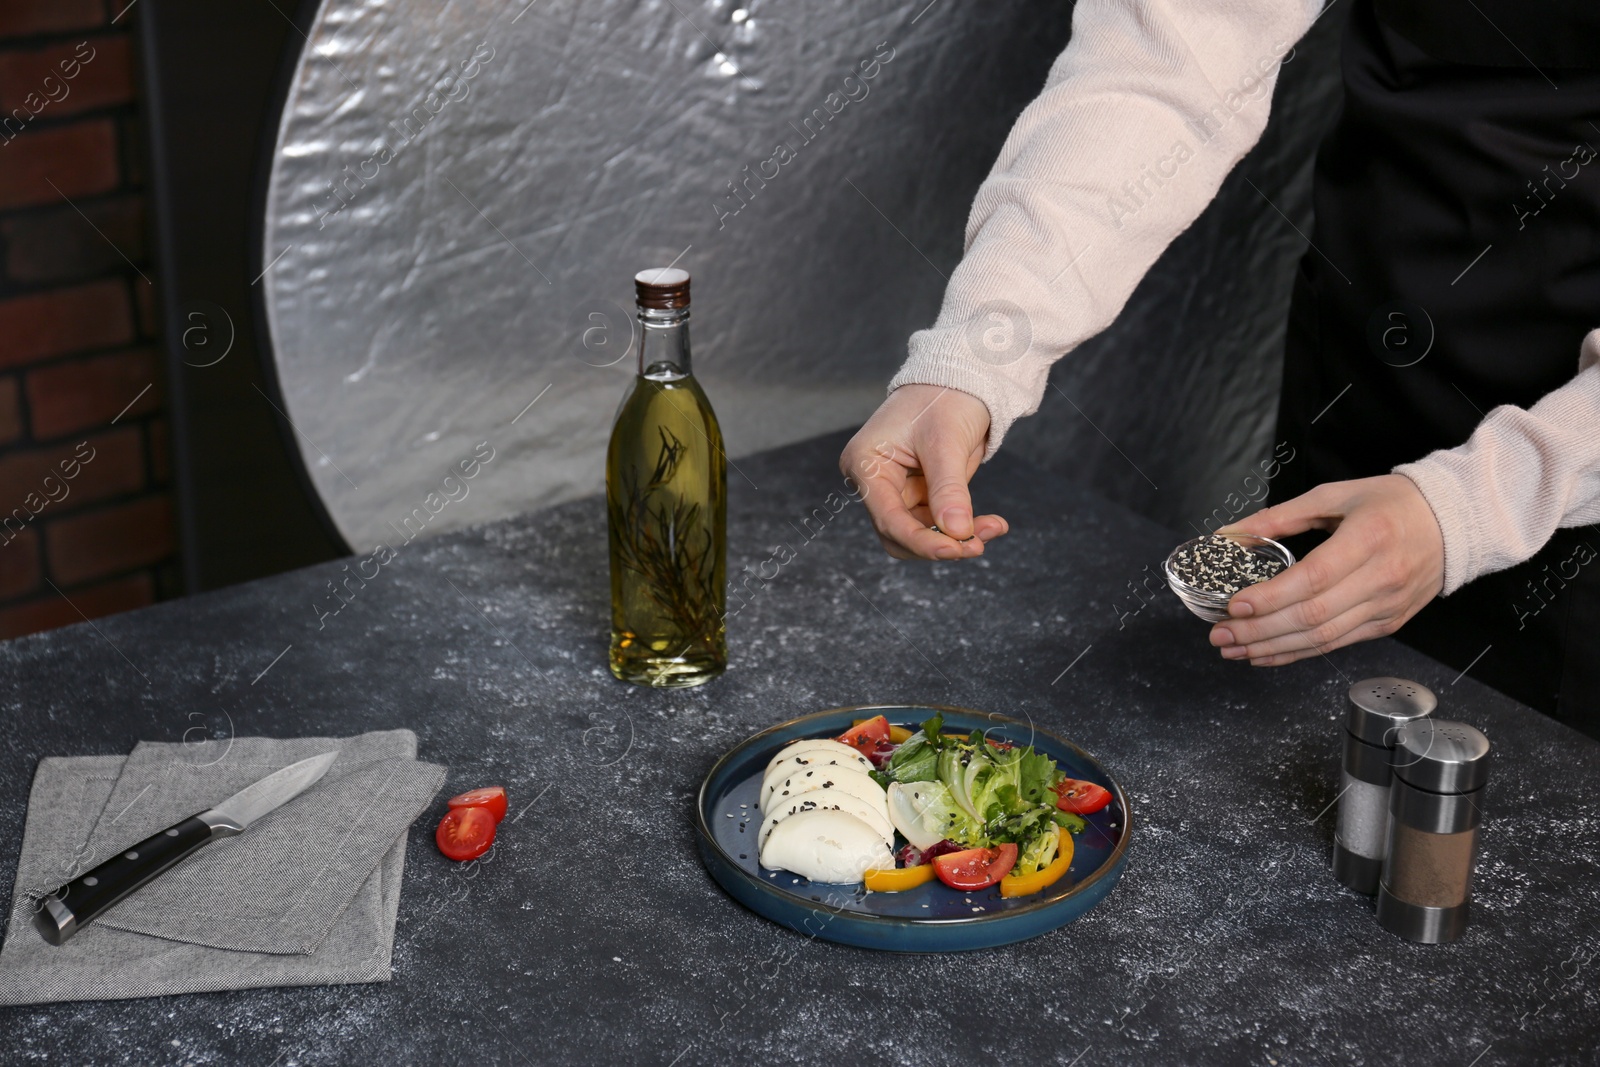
x,y
805,759
825,846
818,743
829,800
808,779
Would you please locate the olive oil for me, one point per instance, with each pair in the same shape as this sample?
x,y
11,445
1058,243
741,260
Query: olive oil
x,y
666,499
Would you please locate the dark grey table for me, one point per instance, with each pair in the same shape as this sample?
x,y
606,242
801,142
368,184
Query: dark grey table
x,y
594,935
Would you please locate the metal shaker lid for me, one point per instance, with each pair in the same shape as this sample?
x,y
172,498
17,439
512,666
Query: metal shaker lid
x,y
1378,705
1441,756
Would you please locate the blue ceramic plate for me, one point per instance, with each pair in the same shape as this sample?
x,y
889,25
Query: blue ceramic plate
x,y
932,917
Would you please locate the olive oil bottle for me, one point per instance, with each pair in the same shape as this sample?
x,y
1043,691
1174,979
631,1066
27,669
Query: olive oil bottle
x,y
666,499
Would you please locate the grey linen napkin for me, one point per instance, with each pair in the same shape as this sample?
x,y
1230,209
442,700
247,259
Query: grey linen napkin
x,y
309,895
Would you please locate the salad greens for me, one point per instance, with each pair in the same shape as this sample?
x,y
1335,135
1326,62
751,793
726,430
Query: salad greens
x,y
980,794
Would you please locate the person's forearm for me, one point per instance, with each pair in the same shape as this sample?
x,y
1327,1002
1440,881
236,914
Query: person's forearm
x,y
1521,476
1141,118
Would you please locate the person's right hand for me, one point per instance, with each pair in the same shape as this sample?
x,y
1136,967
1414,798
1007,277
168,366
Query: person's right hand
x,y
911,463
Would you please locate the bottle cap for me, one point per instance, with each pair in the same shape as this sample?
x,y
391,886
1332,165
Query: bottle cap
x,y
663,288
1441,756
1378,705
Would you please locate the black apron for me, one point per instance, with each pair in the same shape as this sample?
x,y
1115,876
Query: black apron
x,y
1456,266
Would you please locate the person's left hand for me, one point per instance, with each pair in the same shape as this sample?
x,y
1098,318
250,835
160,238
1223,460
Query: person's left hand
x,y
1384,562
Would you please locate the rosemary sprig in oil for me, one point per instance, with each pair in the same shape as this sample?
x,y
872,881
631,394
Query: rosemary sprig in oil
x,y
667,543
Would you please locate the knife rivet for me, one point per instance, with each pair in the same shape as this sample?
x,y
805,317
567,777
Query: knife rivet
x,y
172,832
130,855
91,880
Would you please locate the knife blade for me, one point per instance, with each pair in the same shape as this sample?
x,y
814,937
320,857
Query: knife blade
x,y
63,913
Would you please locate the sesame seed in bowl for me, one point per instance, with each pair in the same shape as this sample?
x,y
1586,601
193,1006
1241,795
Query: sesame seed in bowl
x,y
1206,572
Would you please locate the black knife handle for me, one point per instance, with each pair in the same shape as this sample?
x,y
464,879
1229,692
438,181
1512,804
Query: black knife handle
x,y
78,903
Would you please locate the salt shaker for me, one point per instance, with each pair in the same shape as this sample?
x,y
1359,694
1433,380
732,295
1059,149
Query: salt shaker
x,y
1376,709
1439,772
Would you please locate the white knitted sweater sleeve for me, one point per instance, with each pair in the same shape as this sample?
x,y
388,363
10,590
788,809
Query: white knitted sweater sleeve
x,y
1146,111
1520,477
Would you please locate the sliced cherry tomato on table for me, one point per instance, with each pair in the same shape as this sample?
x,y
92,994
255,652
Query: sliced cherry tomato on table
x,y
1081,798
491,798
975,868
866,736
898,879
465,833
1021,885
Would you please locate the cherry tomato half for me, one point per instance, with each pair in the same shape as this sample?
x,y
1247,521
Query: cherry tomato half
x,y
1081,798
975,868
465,833
867,735
491,798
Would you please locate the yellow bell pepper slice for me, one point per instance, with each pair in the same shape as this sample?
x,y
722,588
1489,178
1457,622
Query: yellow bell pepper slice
x,y
898,879
1021,885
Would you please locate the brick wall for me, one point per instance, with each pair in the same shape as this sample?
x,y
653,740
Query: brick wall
x,y
86,524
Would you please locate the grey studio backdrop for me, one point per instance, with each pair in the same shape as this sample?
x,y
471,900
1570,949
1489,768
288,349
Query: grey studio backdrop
x,y
461,194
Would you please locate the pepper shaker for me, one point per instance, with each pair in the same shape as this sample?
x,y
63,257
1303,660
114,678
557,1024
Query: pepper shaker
x,y
1439,772
1375,710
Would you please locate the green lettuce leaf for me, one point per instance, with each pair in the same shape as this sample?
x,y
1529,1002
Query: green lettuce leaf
x,y
914,761
1073,823
1037,776
980,794
1038,851
1020,829
953,766
942,815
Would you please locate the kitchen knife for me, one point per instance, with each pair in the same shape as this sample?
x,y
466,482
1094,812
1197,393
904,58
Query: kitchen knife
x,y
75,905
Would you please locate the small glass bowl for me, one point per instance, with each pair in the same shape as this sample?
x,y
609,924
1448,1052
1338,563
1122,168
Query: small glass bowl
x,y
1213,607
